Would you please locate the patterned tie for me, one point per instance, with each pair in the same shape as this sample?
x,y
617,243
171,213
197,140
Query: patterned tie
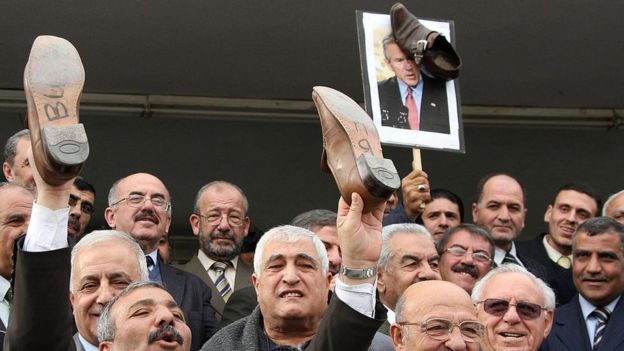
x,y
153,274
602,314
412,111
9,295
221,283
510,259
565,262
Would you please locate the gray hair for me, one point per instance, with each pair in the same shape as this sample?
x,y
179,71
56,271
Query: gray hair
x,y
289,234
312,218
100,237
9,185
112,194
549,295
598,226
220,183
387,40
609,200
10,148
106,325
473,230
389,231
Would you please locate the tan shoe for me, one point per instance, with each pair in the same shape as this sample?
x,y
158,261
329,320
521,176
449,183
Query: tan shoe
x,y
53,81
351,149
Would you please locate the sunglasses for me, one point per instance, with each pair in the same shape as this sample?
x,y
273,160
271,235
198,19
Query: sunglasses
x,y
526,310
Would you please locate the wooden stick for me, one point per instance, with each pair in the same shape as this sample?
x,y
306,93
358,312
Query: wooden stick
x,y
417,163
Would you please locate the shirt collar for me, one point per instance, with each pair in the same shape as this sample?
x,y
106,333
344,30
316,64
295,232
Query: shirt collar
x,y
587,307
86,345
207,261
4,287
499,253
403,87
154,256
553,254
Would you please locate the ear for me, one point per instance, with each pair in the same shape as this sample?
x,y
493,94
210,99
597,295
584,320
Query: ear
x,y
549,322
475,212
109,215
255,282
396,334
105,346
548,214
246,225
71,298
381,283
8,172
194,219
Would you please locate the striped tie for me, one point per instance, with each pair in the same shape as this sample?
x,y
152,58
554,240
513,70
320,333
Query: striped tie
x,y
602,316
510,259
221,283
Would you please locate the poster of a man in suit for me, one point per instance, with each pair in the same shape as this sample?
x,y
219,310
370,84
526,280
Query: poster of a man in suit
x,y
409,108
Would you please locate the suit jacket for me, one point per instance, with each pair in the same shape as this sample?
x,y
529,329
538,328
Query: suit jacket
x,y
41,316
560,278
434,115
570,334
193,297
243,279
342,328
77,343
241,304
533,266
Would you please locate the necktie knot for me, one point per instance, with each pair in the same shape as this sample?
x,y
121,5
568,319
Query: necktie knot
x,y
565,262
219,267
222,284
150,262
509,258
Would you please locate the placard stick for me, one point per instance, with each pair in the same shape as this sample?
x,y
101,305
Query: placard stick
x,y
417,163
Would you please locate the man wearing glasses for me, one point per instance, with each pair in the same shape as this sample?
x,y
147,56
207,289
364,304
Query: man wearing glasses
x,y
219,220
516,307
140,205
81,201
466,253
435,315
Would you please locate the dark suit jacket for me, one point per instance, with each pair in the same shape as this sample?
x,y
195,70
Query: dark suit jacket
x,y
240,305
570,334
242,280
560,278
41,316
193,297
533,266
434,116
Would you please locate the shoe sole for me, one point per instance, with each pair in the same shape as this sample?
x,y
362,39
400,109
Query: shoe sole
x,y
53,82
378,175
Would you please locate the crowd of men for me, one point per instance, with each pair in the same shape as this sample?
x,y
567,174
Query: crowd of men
x,y
559,291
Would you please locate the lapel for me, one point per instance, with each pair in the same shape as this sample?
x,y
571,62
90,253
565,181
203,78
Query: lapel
x,y
77,343
243,274
569,326
613,339
173,282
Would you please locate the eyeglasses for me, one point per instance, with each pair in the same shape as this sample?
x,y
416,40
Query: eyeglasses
x,y
233,219
526,310
137,200
85,207
441,329
459,251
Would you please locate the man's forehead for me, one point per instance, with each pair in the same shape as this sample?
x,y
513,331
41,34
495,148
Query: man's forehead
x,y
15,199
142,183
411,242
608,241
502,186
114,254
144,296
221,197
516,285
22,146
289,249
82,194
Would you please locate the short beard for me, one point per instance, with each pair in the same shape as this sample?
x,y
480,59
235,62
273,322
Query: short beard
x,y
221,253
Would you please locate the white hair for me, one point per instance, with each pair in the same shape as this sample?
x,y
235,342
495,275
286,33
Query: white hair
x,y
391,230
549,295
289,234
100,237
609,200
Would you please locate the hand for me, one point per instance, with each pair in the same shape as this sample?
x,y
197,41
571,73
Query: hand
x,y
53,197
415,188
359,234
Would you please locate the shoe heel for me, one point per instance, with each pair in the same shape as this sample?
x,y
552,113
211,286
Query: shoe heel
x,y
66,145
379,175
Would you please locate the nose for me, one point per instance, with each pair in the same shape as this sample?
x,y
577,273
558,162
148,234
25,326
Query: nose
x,y
456,341
163,315
333,254
511,316
105,294
467,259
223,225
427,273
443,223
571,216
75,211
290,275
503,214
593,266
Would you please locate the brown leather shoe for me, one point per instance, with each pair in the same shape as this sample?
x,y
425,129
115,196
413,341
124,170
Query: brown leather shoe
x,y
53,80
435,56
351,149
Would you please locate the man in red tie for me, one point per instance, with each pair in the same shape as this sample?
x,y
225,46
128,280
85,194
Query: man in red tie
x,y
411,100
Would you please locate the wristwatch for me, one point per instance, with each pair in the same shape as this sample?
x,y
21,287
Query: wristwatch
x,y
359,273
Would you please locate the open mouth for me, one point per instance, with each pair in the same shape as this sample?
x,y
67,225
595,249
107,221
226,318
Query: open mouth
x,y
291,293
511,335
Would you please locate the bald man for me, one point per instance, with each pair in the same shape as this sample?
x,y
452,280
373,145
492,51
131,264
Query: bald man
x,y
427,315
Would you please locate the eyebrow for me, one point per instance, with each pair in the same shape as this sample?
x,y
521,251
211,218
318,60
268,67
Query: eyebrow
x,y
298,256
112,275
150,302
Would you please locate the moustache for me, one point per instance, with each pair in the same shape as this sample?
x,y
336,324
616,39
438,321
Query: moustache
x,y
464,268
73,221
222,235
165,332
149,215
599,278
